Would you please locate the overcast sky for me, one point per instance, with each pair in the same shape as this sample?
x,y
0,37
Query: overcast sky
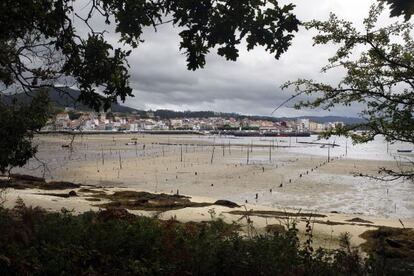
x,y
251,85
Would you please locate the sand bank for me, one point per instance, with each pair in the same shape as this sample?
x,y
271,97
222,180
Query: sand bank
x,y
263,175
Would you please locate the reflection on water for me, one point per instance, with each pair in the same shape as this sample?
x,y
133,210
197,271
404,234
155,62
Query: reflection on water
x,y
374,150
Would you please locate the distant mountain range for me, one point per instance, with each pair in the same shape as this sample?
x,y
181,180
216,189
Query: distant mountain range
x,y
66,97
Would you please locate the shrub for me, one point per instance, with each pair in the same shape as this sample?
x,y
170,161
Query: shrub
x,y
35,242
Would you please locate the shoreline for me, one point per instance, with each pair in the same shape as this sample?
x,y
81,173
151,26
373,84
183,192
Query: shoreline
x,y
224,133
267,177
327,227
235,172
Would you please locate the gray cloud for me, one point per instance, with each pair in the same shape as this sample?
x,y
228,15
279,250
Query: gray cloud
x,y
251,85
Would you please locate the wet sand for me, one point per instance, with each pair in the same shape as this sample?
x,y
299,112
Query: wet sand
x,y
327,227
207,171
195,166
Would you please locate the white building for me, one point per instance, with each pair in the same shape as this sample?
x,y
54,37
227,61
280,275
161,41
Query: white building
x,y
303,124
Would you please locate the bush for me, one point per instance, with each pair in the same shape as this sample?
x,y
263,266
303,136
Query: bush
x,y
35,242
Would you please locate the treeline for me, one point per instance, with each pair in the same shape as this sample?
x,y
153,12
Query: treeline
x,y
170,114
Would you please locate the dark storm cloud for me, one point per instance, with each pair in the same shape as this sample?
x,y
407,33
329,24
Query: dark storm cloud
x,y
251,85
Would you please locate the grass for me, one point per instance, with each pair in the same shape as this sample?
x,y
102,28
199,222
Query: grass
x,y
115,242
394,242
394,248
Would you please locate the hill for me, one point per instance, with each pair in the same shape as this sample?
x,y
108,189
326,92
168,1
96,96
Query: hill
x,y
326,119
168,114
66,97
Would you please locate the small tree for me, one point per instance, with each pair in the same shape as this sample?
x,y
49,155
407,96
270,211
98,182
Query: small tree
x,y
380,78
19,122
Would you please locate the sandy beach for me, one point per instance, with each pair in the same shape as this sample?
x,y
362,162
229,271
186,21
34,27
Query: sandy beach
x,y
260,175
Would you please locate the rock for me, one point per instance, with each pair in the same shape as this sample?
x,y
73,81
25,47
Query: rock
x,y
226,203
72,193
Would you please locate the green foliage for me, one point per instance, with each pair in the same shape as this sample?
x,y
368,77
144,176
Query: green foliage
x,y
228,127
40,47
43,33
401,7
380,78
34,242
18,124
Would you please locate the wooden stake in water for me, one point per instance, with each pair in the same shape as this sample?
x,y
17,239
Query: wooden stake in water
x,y
329,153
181,153
212,155
247,157
103,158
270,152
223,149
346,147
229,148
120,161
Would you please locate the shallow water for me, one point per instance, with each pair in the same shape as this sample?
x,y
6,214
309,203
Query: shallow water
x,y
321,190
374,150
341,193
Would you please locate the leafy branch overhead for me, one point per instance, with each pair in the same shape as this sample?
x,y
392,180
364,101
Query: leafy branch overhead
x,y
401,7
40,46
18,124
380,78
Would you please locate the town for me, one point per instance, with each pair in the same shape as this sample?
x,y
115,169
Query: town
x,y
70,120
